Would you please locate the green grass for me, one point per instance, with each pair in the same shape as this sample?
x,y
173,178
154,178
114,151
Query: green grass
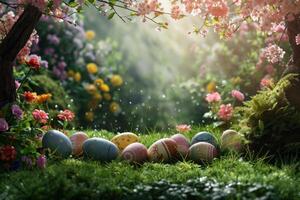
x,y
78,179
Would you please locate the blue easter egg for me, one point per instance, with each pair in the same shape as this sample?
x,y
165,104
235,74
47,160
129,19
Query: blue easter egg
x,y
57,142
204,137
100,149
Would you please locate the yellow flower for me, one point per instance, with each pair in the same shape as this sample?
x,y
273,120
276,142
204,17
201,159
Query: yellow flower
x,y
97,96
89,116
98,82
114,107
236,80
116,80
107,96
43,98
77,76
90,35
90,88
104,87
92,68
211,87
71,73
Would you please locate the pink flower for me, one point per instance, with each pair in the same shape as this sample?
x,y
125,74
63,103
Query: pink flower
x,y
3,125
213,97
34,62
237,95
265,82
41,162
66,115
17,84
225,112
218,8
183,128
298,39
273,53
40,116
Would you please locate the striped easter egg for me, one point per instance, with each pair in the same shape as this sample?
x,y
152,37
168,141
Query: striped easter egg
x,y
163,150
202,152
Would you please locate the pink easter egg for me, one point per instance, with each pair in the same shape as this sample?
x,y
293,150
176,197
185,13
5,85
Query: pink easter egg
x,y
182,144
77,140
202,152
163,150
135,153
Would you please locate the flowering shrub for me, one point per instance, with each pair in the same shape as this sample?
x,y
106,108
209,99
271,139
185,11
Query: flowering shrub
x,y
88,69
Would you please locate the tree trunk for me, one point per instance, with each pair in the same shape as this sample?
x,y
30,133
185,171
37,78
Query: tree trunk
x,y
293,93
14,41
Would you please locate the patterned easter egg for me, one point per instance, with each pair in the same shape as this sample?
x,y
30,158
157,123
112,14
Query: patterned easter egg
x,y
231,140
204,137
77,140
202,152
183,144
100,149
135,153
124,139
57,142
163,150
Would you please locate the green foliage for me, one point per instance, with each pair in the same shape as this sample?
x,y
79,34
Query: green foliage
x,y
270,123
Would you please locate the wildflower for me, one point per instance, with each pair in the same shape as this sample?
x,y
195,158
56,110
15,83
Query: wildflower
x,y
17,111
273,53
266,82
114,107
29,96
8,153
211,87
225,112
98,82
66,115
3,125
41,161
116,80
34,62
92,68
183,128
107,96
213,97
40,116
218,8
237,95
104,87
90,35
77,76
90,88
43,98
97,96
17,84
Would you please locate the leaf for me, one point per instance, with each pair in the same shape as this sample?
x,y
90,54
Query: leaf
x,y
111,15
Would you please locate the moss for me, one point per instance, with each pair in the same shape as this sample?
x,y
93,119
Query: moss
x,y
269,123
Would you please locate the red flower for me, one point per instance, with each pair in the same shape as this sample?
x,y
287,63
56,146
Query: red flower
x,y
29,96
8,153
66,115
34,62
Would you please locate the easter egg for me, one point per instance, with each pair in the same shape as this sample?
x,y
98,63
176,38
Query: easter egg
x,y
163,150
100,149
231,140
183,144
202,152
204,137
135,153
124,139
77,140
57,142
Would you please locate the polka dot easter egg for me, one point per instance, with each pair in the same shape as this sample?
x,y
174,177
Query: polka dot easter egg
x,y
163,150
124,139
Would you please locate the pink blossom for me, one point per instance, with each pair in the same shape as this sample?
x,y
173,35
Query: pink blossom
x,y
66,115
183,128
225,112
266,82
298,39
40,116
218,8
3,125
34,62
17,84
273,53
213,97
237,95
41,161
